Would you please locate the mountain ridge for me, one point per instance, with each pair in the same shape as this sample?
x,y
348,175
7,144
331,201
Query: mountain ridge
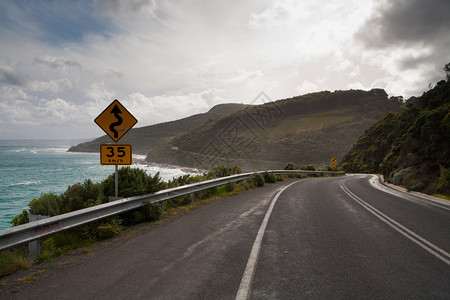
x,y
311,128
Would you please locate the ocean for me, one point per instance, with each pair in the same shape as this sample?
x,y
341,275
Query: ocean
x,y
29,168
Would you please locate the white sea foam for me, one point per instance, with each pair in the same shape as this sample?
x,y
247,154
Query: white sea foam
x,y
25,183
166,172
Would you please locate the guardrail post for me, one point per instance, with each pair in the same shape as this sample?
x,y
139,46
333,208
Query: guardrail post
x,y
34,247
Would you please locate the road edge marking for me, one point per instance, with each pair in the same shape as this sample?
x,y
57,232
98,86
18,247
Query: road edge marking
x,y
422,199
249,272
425,244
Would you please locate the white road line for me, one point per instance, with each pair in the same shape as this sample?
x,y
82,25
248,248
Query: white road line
x,y
375,182
430,247
247,277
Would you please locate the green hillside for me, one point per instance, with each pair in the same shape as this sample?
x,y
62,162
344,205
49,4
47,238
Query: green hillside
x,y
144,139
410,148
311,128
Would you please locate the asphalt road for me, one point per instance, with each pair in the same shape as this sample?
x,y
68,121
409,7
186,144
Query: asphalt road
x,y
317,238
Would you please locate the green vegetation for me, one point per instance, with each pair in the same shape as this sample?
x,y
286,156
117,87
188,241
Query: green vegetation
x,y
258,179
410,148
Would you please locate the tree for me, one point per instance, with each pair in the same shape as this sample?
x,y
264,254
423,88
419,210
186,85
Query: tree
x,y
447,71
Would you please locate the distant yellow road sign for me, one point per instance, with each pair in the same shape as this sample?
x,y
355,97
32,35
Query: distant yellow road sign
x,y
115,120
115,154
334,160
333,165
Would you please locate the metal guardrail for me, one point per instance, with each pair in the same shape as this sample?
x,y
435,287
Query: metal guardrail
x,y
35,230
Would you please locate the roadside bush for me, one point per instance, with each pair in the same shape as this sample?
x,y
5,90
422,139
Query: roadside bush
x,y
20,219
229,187
269,177
183,180
290,166
148,212
397,177
152,211
14,260
46,205
49,249
415,186
222,171
108,231
133,182
257,179
308,167
84,195
443,183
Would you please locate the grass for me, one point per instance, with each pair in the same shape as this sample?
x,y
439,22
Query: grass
x,y
442,196
14,260
305,124
28,279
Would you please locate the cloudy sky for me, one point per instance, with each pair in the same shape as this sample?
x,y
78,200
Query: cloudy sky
x,y
62,62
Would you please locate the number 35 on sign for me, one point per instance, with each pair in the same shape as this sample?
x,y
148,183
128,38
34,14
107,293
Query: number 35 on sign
x,y
115,154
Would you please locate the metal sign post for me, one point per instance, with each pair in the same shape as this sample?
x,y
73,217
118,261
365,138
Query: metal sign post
x,y
115,121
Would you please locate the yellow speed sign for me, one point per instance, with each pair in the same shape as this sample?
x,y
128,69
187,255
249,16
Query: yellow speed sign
x,y
115,154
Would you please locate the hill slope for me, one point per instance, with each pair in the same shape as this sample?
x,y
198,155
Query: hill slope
x,y
144,139
307,129
410,148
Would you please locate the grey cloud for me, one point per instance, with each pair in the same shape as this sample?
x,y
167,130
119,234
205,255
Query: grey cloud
x,y
56,62
412,62
7,77
406,22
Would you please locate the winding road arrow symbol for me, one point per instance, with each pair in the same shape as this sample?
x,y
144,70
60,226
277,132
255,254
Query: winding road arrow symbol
x,y
112,117
116,111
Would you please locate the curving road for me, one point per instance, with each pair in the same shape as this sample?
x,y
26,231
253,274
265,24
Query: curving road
x,y
319,238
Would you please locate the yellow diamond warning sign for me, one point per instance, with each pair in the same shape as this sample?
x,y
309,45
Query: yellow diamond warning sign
x,y
115,120
333,162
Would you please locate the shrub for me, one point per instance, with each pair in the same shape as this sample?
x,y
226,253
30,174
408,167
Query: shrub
x,y
14,260
20,219
48,249
84,195
415,186
222,171
229,187
290,166
443,183
269,177
257,179
46,205
308,167
133,182
108,231
397,178
151,211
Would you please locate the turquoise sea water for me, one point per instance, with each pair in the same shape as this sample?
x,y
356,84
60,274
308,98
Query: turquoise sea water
x,y
29,168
